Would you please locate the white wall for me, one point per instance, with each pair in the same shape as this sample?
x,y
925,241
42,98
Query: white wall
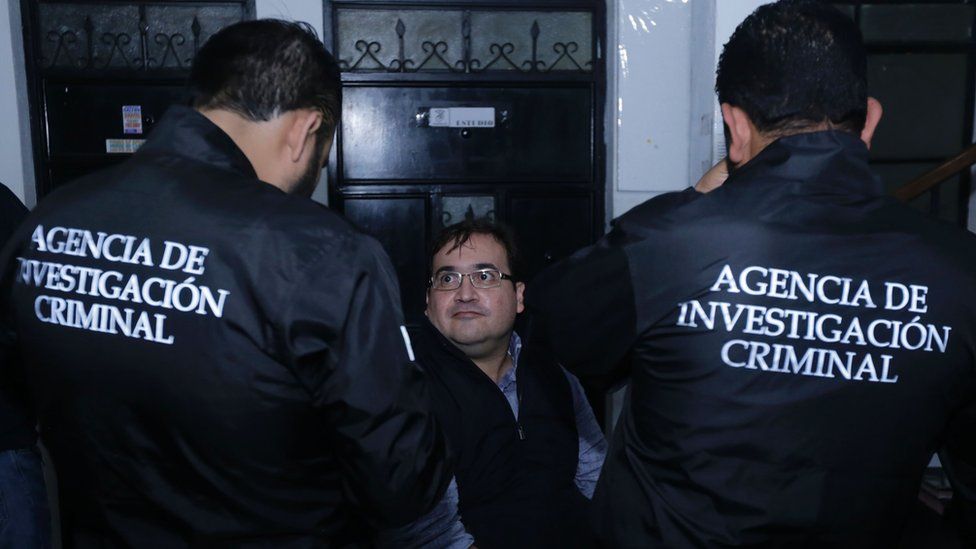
x,y
664,127
649,98
728,15
309,11
16,162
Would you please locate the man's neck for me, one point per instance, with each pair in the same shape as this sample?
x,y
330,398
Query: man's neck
x,y
256,140
494,368
494,361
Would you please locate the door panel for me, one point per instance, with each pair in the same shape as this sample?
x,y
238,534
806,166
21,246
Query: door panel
x,y
98,110
399,223
406,166
550,227
539,133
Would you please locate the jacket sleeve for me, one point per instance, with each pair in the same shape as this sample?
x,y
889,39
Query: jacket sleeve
x,y
12,213
582,309
592,443
345,336
14,396
958,458
441,527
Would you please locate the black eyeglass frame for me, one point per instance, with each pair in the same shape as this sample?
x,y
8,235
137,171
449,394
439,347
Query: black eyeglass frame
x,y
501,276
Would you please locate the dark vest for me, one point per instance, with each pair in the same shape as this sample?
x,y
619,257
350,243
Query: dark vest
x,y
515,477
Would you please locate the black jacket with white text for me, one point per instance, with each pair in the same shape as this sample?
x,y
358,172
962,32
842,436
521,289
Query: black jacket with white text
x,y
215,362
797,345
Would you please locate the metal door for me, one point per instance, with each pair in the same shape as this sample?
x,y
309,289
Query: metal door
x,y
102,72
469,108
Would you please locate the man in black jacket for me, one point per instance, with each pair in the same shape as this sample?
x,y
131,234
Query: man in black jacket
x,y
528,448
26,521
217,360
798,344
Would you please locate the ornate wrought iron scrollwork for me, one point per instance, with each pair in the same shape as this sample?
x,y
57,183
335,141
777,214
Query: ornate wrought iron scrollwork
x,y
65,39
435,53
464,64
401,63
102,34
534,64
369,51
145,60
566,51
195,29
90,41
503,55
169,43
434,50
116,43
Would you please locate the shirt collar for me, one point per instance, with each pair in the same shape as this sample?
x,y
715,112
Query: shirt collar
x,y
514,350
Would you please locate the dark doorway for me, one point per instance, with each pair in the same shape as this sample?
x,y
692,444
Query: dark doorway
x,y
469,108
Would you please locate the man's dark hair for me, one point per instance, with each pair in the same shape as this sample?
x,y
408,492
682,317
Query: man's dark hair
x,y
457,235
794,64
261,69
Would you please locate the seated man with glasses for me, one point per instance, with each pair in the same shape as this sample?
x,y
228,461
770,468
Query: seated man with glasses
x,y
528,447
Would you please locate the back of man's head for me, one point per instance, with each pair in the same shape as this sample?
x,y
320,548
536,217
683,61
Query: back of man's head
x,y
794,65
261,69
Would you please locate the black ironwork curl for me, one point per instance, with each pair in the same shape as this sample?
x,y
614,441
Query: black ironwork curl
x,y
64,38
434,50
369,51
116,42
501,52
169,43
566,51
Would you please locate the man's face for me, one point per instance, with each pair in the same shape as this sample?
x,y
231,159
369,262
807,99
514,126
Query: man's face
x,y
477,320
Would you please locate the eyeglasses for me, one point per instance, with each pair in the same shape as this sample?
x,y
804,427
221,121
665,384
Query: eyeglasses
x,y
482,279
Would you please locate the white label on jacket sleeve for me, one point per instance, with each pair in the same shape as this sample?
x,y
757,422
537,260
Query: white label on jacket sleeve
x,y
406,342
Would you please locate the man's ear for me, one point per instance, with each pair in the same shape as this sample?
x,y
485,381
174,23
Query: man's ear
x,y
301,132
871,120
519,297
740,131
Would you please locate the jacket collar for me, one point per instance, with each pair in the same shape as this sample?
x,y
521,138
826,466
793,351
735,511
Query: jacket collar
x,y
434,337
185,132
831,160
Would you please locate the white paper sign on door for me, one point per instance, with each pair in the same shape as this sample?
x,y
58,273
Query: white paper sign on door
x,y
462,117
